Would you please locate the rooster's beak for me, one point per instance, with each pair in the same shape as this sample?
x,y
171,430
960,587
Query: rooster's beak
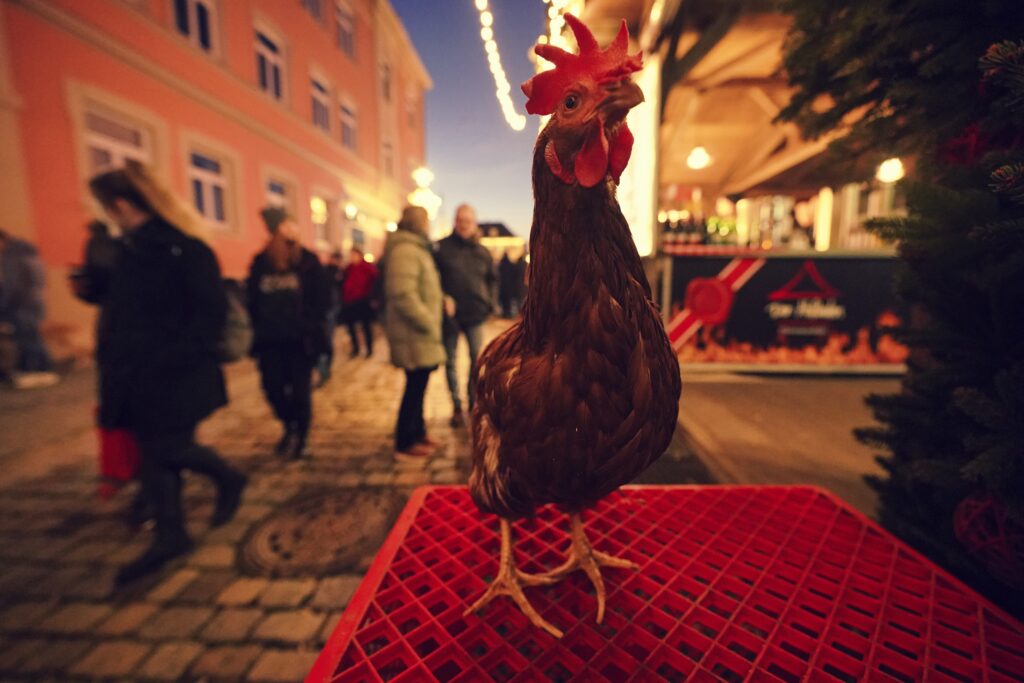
x,y
622,96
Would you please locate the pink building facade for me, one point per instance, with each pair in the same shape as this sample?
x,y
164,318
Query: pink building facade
x,y
314,105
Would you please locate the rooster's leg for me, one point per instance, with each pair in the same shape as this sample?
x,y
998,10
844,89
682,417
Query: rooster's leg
x,y
510,582
583,556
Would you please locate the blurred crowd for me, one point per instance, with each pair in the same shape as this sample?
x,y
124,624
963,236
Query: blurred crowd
x,y
168,322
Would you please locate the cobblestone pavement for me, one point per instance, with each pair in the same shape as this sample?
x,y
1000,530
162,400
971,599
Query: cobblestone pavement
x,y
241,606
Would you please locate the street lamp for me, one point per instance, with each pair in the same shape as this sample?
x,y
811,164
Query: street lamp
x,y
423,196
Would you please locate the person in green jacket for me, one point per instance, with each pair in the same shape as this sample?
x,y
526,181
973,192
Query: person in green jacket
x,y
412,323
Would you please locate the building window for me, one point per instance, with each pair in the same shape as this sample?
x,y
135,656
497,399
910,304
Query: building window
x,y
385,81
388,159
197,21
277,193
209,187
349,126
321,104
269,65
345,29
111,141
314,9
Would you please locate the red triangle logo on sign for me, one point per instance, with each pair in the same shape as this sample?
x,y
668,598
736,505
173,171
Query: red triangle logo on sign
x,y
808,283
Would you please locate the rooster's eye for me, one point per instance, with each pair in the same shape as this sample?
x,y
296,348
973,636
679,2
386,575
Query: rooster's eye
x,y
571,102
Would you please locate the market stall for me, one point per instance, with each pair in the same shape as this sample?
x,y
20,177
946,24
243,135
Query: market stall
x,y
733,308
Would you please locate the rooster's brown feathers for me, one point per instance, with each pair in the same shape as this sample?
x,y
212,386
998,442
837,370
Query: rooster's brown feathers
x,y
581,395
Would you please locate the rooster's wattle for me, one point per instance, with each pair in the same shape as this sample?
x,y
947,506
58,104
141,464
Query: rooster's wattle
x,y
582,395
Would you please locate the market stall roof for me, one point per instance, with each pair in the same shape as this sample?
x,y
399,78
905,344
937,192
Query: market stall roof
x,y
730,88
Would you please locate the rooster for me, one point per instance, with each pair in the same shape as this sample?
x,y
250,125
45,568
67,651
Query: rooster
x,y
582,394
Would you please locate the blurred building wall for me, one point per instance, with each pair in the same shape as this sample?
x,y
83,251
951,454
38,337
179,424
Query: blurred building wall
x,y
333,136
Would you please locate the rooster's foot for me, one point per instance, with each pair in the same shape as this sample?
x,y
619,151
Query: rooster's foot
x,y
510,582
583,556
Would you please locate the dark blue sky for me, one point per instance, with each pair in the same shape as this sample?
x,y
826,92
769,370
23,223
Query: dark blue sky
x,y
476,157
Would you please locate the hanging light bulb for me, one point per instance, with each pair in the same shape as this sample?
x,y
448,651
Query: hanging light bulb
x,y
698,158
890,170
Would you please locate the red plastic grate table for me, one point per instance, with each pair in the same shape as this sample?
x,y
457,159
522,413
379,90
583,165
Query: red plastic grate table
x,y
759,584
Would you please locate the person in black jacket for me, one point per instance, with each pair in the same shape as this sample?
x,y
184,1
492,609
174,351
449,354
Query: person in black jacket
x,y
163,312
468,279
288,300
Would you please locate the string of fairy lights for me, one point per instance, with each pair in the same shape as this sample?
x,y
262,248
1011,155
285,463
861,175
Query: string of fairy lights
x,y
515,120
503,89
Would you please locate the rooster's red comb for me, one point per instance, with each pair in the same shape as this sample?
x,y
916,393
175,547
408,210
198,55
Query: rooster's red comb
x,y
544,90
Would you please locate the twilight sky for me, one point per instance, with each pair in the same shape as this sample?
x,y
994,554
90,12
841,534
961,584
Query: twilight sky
x,y
476,157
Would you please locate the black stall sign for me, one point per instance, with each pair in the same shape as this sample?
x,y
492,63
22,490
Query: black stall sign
x,y
772,309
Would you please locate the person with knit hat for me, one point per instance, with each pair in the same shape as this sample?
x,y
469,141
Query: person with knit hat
x,y
288,298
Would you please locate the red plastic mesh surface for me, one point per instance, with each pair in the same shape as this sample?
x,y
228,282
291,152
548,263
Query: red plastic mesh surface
x,y
779,584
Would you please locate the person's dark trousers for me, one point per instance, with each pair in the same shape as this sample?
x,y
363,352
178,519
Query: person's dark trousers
x,y
286,374
452,329
163,456
326,359
411,428
33,355
360,315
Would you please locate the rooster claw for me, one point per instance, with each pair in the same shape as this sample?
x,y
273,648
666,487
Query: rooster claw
x,y
583,556
508,583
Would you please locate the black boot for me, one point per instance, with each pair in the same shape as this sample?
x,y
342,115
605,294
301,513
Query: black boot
x,y
229,497
298,447
287,440
171,539
140,511
164,549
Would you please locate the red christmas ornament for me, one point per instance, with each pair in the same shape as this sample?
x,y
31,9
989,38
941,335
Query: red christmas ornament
x,y
991,536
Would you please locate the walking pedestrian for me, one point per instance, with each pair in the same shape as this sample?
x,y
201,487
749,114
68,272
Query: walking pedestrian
x,y
412,322
163,314
118,451
357,289
22,279
511,275
468,281
288,305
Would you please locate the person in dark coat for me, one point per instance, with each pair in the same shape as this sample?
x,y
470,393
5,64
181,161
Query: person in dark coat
x,y
163,313
357,287
22,279
511,275
468,280
288,301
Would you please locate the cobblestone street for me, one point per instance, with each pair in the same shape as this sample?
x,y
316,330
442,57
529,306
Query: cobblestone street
x,y
258,597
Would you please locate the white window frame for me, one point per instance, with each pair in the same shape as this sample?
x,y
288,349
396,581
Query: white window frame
x,y
320,94
192,33
348,114
275,198
119,150
270,173
345,28
208,183
82,98
274,59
